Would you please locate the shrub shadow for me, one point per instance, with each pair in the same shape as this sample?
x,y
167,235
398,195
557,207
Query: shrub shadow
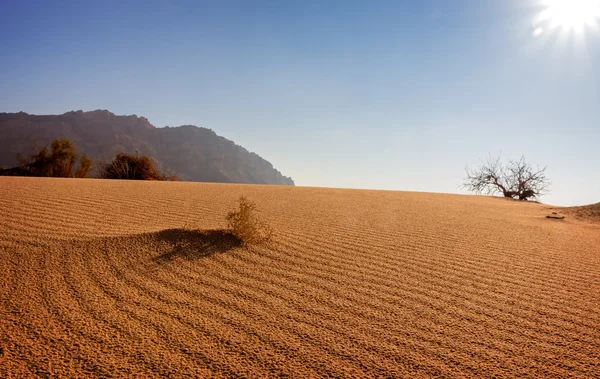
x,y
195,244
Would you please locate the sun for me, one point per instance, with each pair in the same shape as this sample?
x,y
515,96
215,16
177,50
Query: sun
x,y
569,15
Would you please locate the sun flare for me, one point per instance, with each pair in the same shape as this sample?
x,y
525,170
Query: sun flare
x,y
570,14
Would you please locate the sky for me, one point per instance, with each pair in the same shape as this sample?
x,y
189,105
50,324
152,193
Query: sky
x,y
396,95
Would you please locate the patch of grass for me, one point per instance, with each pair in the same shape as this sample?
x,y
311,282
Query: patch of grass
x,y
245,224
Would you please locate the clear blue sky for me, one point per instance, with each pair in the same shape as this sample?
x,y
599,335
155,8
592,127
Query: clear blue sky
x,y
372,94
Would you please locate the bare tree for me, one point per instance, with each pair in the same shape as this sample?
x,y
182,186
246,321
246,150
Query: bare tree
x,y
516,179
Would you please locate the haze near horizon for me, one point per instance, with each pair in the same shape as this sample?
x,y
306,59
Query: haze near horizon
x,y
385,95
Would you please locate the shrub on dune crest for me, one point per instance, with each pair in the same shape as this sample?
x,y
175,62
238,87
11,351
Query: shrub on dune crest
x,y
245,224
133,167
58,159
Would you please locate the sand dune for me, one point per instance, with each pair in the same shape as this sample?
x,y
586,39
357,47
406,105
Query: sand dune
x,y
108,279
589,213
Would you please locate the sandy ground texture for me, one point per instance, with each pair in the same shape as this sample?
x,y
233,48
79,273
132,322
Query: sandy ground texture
x,y
103,278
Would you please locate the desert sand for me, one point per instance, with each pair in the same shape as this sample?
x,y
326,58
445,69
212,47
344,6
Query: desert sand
x,y
103,278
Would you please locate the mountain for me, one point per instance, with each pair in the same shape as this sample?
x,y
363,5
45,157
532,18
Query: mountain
x,y
194,153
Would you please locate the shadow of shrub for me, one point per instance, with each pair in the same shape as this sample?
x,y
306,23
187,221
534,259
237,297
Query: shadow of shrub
x,y
196,244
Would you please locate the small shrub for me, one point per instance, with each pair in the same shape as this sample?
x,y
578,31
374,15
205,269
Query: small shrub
x,y
245,224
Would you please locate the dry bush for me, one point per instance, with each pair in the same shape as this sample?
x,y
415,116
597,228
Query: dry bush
x,y
133,167
245,224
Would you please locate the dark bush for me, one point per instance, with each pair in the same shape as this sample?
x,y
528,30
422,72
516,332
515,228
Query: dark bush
x,y
132,167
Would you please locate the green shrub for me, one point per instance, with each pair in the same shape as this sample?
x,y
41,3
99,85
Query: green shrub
x,y
58,162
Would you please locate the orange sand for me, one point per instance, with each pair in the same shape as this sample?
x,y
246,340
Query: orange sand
x,y
105,278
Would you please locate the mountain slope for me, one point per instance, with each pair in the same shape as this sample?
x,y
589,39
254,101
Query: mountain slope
x,y
195,153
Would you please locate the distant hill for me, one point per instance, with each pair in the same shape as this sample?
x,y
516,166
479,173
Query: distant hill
x,y
196,154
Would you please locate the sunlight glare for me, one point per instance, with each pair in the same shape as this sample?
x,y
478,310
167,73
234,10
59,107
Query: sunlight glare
x,y
570,14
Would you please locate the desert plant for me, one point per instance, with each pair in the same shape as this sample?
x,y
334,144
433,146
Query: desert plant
x,y
63,157
516,179
245,224
58,162
133,167
85,166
